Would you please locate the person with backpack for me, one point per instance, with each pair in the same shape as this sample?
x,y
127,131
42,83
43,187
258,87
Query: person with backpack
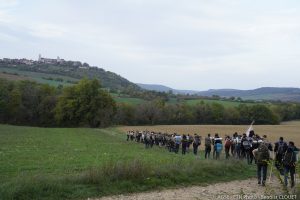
x,y
227,146
254,146
190,139
247,145
289,162
208,142
172,143
232,148
128,135
243,141
177,139
213,143
196,143
269,145
147,140
262,156
237,147
184,144
132,135
280,149
138,137
152,139
218,146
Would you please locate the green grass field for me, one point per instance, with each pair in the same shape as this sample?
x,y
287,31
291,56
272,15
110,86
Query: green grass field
x,y
76,163
129,100
38,77
226,104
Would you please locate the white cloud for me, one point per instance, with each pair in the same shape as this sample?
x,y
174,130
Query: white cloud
x,y
6,6
5,17
8,3
8,38
48,31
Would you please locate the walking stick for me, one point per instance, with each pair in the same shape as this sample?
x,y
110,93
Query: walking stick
x,y
271,168
271,173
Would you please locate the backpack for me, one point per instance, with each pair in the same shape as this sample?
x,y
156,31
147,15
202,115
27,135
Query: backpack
x,y
237,143
148,137
227,144
281,147
219,147
263,155
207,142
177,139
288,158
197,141
191,139
246,144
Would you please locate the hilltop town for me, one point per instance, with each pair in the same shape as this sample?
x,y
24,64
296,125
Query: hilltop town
x,y
43,60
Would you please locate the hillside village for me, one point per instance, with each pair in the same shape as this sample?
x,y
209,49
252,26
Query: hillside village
x,y
43,60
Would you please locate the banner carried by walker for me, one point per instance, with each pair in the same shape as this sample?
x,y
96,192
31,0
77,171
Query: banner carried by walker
x,y
250,128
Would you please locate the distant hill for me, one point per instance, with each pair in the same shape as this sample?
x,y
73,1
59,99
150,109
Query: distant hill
x,y
59,71
264,93
155,87
162,88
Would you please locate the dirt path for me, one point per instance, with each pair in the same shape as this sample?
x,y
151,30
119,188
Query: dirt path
x,y
229,190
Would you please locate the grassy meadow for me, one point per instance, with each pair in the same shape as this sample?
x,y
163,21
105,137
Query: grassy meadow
x,y
226,104
191,102
16,74
77,163
129,100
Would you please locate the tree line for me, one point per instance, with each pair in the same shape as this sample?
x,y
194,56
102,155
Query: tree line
x,y
158,112
88,104
30,103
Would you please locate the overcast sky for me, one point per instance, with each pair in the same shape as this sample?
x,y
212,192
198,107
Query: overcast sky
x,y
187,44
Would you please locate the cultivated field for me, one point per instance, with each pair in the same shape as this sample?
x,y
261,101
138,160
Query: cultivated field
x,y
288,130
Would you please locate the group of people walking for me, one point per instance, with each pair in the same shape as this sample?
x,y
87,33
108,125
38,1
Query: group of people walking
x,y
250,147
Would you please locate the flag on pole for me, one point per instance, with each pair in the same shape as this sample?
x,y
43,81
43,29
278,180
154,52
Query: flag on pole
x,y
250,129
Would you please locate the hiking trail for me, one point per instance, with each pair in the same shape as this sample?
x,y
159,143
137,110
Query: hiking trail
x,y
226,190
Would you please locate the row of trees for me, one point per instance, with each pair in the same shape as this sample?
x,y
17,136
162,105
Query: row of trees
x,y
29,103
157,112
87,104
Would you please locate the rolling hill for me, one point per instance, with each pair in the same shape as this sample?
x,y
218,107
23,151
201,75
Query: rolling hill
x,y
155,87
60,72
55,72
263,93
162,88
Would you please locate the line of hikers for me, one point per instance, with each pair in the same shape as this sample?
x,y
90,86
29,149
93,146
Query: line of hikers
x,y
251,147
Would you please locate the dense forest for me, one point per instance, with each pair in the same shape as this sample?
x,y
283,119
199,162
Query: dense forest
x,y
88,104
